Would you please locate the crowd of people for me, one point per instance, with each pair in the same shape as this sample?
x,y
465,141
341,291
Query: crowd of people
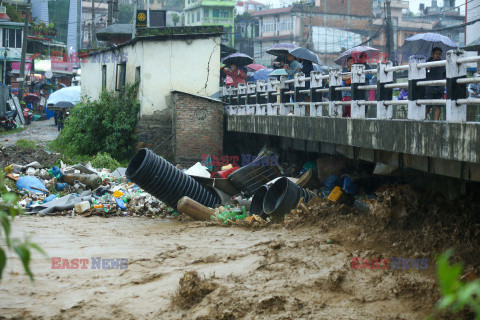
x,y
293,65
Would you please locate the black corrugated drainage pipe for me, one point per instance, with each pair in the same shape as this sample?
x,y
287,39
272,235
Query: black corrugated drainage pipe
x,y
256,207
161,179
284,196
252,176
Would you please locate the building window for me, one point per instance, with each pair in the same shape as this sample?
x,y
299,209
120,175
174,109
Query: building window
x,y
120,79
198,15
216,13
137,74
224,14
188,18
104,77
12,38
285,24
205,13
268,26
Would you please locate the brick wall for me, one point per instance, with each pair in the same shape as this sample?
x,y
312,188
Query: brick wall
x,y
152,130
199,128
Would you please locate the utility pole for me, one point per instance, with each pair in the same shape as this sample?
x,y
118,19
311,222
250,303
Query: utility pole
x,y
390,42
134,22
148,13
115,10
24,52
93,24
110,12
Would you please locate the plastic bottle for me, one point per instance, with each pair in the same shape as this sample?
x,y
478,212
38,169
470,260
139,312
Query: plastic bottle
x,y
240,216
244,210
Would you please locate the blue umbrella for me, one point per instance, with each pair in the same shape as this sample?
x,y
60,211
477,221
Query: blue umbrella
x,y
473,46
278,72
423,43
261,75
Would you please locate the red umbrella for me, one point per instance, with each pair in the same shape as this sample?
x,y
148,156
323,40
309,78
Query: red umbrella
x,y
255,67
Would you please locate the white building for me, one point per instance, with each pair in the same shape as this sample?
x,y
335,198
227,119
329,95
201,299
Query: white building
x,y
183,62
472,10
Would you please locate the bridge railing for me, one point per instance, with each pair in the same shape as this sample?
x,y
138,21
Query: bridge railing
x,y
320,95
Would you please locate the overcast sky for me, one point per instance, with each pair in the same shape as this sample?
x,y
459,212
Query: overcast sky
x,y
414,4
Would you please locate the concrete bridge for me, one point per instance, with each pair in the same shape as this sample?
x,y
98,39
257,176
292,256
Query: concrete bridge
x,y
450,147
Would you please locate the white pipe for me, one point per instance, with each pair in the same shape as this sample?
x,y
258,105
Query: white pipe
x,y
397,68
431,101
432,83
397,85
441,63
469,80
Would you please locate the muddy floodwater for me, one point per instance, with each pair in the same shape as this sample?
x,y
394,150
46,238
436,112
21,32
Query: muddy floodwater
x,y
268,273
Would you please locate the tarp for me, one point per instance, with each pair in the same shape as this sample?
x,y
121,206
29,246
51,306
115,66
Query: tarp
x,y
70,94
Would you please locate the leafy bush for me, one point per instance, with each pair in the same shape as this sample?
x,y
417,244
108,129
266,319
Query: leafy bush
x,y
456,294
8,211
104,125
104,160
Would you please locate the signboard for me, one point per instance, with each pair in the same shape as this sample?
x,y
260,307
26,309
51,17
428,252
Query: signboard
x,y
3,9
141,18
158,18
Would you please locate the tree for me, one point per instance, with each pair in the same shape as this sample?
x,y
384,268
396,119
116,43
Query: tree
x,y
125,13
175,19
13,14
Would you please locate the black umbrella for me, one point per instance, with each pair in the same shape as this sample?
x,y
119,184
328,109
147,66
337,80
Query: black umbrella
x,y
281,49
63,104
31,98
238,59
305,54
473,46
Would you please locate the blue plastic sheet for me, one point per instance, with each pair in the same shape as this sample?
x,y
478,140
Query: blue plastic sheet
x,y
26,183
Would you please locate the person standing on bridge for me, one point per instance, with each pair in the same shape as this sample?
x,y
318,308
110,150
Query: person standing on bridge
x,y
435,92
238,76
346,95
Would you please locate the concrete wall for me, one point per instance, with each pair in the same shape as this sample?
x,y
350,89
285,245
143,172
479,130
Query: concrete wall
x,y
191,65
450,149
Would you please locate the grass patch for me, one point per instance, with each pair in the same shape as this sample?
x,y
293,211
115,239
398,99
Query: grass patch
x,y
8,132
26,144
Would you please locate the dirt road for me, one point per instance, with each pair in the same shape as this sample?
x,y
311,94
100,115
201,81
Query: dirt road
x,y
38,131
269,273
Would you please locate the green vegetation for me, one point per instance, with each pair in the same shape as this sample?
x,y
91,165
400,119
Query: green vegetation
x,y
14,14
22,248
26,144
179,30
104,160
104,125
16,130
456,294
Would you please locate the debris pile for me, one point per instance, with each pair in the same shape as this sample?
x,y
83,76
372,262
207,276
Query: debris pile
x,y
80,190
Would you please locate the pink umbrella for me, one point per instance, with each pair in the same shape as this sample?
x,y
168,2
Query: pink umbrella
x,y
255,67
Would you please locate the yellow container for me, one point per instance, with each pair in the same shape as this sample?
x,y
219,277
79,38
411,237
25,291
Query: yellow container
x,y
336,194
117,194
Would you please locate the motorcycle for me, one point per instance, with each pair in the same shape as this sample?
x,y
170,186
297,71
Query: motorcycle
x,y
28,115
7,121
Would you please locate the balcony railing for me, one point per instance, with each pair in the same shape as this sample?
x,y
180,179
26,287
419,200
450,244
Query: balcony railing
x,y
222,21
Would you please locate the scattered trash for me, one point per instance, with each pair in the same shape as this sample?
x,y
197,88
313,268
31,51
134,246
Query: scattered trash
x,y
194,209
336,195
32,184
198,170
81,207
